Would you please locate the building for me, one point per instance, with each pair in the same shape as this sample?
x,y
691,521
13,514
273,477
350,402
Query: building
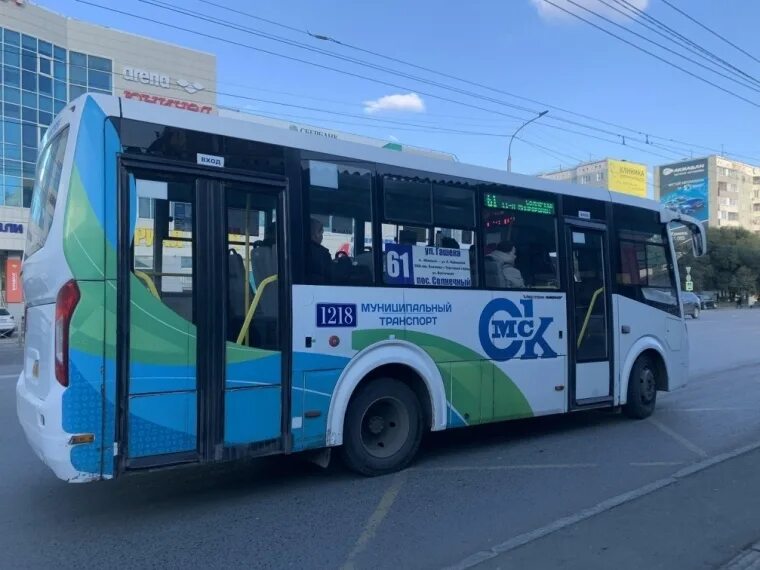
x,y
48,60
617,175
716,190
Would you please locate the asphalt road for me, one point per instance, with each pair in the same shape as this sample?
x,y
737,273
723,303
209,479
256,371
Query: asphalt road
x,y
470,491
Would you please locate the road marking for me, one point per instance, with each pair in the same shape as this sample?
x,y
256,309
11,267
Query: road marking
x,y
656,463
711,409
678,437
609,504
5,376
381,511
510,467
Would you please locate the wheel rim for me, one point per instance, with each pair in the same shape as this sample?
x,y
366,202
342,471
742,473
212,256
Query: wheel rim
x,y
385,427
648,384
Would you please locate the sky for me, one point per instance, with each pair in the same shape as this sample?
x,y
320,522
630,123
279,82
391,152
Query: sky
x,y
532,56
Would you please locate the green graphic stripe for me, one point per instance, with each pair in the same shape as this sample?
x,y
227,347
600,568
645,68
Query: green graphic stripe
x,y
478,389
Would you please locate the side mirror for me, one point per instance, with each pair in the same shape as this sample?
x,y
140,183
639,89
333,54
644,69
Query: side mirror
x,y
698,238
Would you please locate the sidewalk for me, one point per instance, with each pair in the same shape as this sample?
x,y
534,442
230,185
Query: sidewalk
x,y
710,519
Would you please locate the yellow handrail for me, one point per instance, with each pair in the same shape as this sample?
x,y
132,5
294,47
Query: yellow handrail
x,y
588,315
148,283
254,304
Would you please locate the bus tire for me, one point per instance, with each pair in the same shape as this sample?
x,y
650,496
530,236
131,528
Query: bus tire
x,y
642,389
383,428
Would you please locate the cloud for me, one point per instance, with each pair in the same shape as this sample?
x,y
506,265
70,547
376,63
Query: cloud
x,y
410,102
552,13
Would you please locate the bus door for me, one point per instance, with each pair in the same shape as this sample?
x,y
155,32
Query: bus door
x,y
199,343
589,311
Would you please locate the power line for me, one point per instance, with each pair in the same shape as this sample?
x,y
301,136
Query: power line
x,y
481,85
642,18
652,54
357,75
713,32
664,47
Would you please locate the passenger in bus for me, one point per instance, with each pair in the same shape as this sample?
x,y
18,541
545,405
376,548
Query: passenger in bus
x,y
320,260
508,275
449,242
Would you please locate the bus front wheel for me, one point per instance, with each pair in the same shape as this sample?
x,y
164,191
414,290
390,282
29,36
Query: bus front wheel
x,y
642,389
383,428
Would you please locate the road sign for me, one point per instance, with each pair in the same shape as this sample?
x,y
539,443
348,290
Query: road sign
x,y
690,286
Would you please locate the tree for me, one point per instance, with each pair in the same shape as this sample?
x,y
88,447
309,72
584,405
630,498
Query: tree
x,y
731,265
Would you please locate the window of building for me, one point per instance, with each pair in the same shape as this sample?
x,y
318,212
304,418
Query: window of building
x,y
599,176
11,55
29,42
77,68
46,66
99,63
520,247
645,270
145,208
339,230
45,48
756,207
12,76
584,179
28,60
733,216
99,80
428,237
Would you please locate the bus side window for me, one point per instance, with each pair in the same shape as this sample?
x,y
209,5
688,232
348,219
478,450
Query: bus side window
x,y
436,221
520,247
339,241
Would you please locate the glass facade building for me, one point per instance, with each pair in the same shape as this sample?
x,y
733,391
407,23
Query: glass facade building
x,y
38,79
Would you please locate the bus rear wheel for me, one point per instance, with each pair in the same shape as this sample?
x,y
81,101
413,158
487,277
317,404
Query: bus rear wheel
x,y
642,389
383,428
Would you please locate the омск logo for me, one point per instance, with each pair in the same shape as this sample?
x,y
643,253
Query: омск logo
x,y
506,328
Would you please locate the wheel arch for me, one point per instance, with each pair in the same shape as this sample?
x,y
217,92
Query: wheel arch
x,y
652,347
395,358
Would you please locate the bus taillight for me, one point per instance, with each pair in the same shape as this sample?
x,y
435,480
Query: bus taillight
x,y
67,300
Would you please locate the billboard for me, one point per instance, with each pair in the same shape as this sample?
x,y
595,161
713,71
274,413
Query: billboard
x,y
627,177
13,281
683,187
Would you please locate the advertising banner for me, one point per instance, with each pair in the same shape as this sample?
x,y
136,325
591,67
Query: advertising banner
x,y
683,187
13,292
627,178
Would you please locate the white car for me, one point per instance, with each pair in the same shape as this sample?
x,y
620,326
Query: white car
x,y
7,323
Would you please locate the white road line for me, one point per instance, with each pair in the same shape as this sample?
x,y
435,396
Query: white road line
x,y
381,511
510,467
6,376
599,508
678,437
656,463
711,409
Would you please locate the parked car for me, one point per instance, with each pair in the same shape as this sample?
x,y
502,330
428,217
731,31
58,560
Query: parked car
x,y
7,323
707,300
691,305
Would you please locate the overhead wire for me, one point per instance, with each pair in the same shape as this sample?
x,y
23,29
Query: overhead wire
x,y
621,142
474,83
652,24
650,53
713,32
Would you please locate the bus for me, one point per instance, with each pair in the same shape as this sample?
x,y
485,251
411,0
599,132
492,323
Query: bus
x,y
201,289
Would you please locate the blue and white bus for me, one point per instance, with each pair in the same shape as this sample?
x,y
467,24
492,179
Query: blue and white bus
x,y
201,289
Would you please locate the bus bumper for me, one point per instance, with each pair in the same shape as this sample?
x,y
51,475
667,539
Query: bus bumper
x,y
48,441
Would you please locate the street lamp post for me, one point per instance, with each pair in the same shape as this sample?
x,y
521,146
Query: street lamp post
x,y
525,124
